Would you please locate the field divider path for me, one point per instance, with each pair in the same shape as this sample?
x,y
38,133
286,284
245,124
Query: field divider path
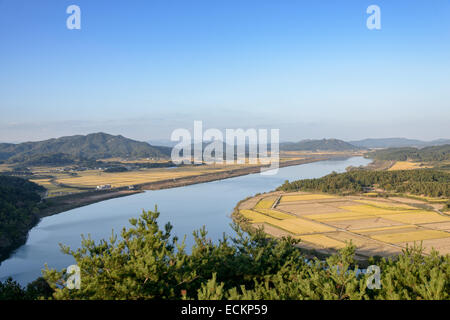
x,y
276,202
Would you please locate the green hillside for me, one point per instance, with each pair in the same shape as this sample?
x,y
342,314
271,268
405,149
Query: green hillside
x,y
74,148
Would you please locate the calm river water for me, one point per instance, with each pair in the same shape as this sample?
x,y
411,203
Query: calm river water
x,y
187,208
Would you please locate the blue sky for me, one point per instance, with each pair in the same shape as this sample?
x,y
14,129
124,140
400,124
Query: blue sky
x,y
143,68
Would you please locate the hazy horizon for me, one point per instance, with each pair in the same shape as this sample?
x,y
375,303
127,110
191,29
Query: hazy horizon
x,y
164,141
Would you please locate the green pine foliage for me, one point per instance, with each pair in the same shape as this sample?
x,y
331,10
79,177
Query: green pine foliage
x,y
414,276
19,200
427,182
38,289
148,263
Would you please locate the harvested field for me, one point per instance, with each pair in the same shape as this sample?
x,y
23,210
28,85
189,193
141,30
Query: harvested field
x,y
338,216
406,200
157,178
266,203
54,190
386,205
366,246
444,226
274,213
305,197
322,241
391,229
418,235
256,217
371,210
274,231
356,225
441,245
418,217
338,203
356,239
406,165
421,199
302,226
120,179
375,226
371,194
308,208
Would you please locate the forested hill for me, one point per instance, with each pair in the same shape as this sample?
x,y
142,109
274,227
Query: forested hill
x,y
317,145
432,183
397,143
19,200
437,153
68,149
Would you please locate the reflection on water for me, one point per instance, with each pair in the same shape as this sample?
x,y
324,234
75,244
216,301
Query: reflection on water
x,y
187,208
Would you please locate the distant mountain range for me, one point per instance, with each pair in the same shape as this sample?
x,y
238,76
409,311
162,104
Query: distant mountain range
x,y
316,145
95,146
397,143
336,144
74,148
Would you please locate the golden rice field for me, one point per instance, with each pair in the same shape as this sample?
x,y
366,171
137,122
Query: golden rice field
x,y
430,199
418,217
386,205
266,203
322,241
93,178
265,215
411,236
338,216
53,190
294,225
305,197
371,194
43,182
407,165
299,226
373,230
370,209
274,213
256,217
375,226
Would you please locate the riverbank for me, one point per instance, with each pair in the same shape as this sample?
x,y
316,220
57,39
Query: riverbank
x,y
377,165
64,203
185,181
60,204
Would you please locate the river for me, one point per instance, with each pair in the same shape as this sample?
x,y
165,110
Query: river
x,y
187,208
